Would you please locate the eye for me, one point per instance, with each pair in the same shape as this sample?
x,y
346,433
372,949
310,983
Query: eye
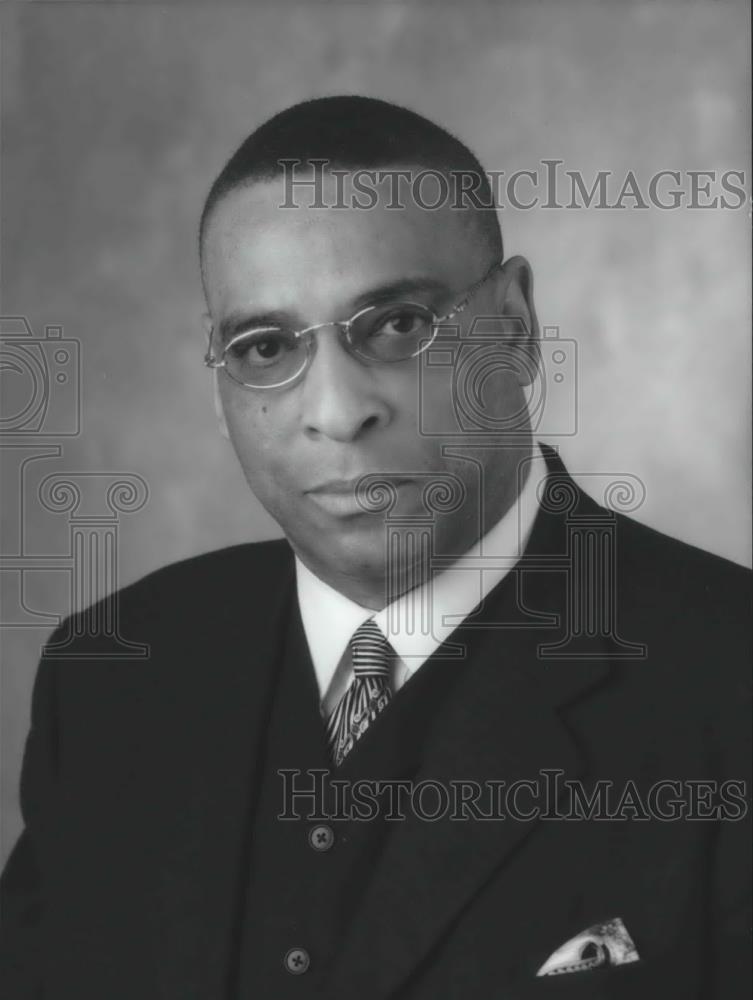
x,y
402,321
266,348
259,347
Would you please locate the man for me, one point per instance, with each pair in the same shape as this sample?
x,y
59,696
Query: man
x,y
465,732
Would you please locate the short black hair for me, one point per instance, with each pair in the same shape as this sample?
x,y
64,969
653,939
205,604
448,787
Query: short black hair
x,y
352,132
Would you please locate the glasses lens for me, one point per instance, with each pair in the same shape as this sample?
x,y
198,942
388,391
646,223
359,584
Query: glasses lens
x,y
265,356
394,332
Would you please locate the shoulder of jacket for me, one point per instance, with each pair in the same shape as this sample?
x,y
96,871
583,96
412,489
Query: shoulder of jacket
x,y
198,586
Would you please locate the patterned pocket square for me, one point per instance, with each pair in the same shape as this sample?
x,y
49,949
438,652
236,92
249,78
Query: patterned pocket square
x,y
603,944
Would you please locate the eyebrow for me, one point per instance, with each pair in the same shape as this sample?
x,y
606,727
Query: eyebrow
x,y
393,290
236,323
239,322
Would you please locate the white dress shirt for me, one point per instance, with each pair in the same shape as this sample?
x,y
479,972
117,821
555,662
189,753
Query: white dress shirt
x,y
329,618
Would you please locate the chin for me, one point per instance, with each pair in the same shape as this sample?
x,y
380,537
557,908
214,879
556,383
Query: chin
x,y
356,552
341,549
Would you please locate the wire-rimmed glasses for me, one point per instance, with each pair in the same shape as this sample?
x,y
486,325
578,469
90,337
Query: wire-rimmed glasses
x,y
270,357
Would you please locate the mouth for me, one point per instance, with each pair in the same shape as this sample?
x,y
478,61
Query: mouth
x,y
339,496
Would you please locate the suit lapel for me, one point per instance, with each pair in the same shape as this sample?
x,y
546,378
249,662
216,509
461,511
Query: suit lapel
x,y
223,708
502,723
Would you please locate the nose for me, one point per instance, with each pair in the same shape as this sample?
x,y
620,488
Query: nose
x,y
340,398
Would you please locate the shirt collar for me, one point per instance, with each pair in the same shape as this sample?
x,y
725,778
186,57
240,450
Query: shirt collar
x,y
329,618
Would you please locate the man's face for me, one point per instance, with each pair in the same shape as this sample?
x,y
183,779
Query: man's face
x,y
346,417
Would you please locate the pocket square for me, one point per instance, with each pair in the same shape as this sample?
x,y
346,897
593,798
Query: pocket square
x,y
603,944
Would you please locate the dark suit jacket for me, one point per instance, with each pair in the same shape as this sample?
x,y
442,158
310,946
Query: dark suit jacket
x,y
138,773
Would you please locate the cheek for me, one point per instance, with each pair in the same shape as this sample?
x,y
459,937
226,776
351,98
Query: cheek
x,y
436,406
255,436
465,396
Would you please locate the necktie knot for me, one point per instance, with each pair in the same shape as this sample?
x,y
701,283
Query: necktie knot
x,y
370,651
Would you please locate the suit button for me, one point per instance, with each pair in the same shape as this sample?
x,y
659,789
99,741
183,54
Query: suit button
x,y
297,961
321,838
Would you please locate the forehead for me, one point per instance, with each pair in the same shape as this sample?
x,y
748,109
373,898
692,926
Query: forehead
x,y
256,249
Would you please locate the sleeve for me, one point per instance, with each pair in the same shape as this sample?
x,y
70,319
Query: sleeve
x,y
731,919
22,888
731,916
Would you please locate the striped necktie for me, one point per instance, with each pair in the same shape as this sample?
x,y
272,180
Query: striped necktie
x,y
369,691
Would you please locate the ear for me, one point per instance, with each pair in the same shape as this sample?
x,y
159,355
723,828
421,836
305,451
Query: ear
x,y
515,300
219,410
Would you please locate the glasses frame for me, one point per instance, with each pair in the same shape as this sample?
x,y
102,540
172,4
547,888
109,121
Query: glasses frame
x,y
345,327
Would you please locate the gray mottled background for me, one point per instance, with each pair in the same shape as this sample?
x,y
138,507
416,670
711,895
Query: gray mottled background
x,y
116,117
